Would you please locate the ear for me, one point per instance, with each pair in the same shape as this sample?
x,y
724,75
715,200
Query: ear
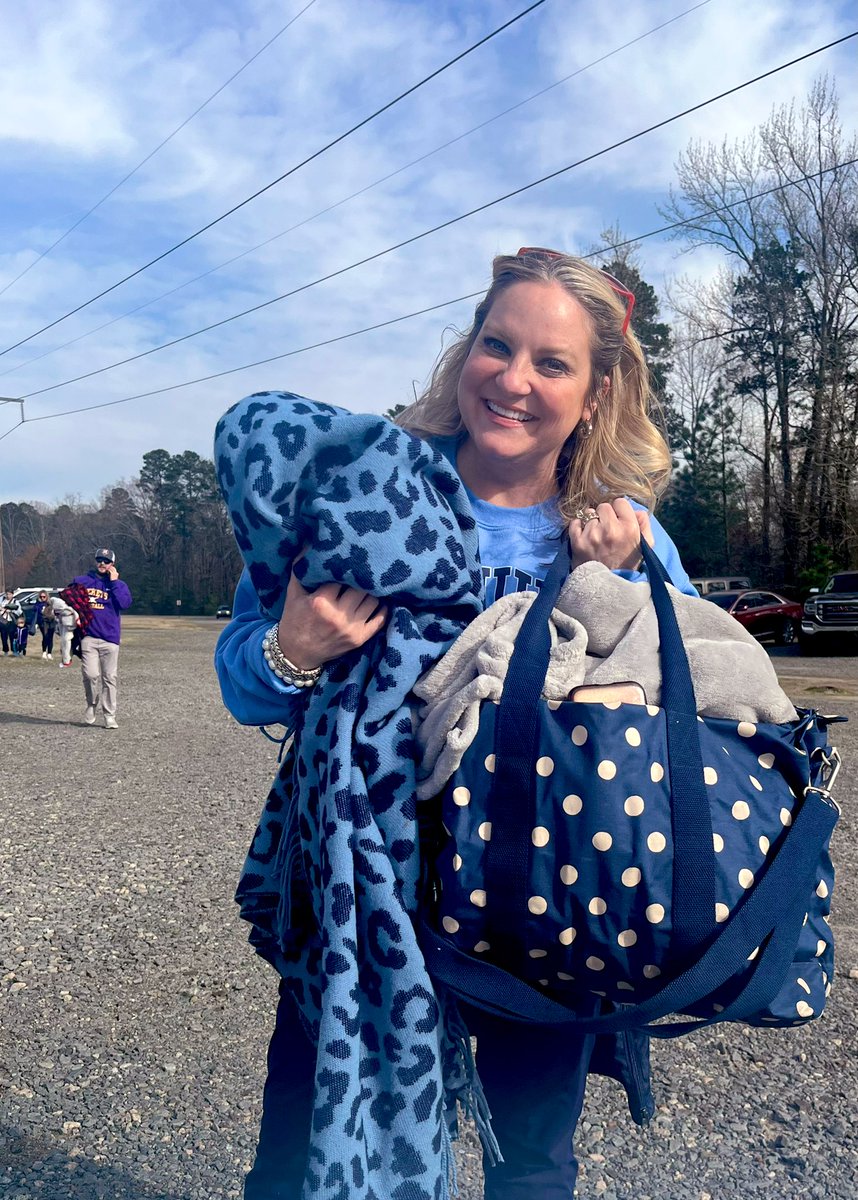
x,y
591,406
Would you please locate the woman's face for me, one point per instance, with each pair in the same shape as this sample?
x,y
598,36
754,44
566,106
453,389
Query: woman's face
x,y
525,385
43,595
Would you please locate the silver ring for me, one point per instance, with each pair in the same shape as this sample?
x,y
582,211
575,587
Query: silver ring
x,y
587,514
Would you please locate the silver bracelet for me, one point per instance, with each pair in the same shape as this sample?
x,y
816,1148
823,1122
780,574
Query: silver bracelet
x,y
301,677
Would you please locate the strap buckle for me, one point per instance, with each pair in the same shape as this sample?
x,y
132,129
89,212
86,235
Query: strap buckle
x,y
830,769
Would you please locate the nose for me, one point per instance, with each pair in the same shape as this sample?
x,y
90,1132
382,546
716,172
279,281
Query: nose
x,y
515,376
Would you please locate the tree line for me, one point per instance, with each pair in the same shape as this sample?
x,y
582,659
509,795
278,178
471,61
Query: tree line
x,y
756,374
169,529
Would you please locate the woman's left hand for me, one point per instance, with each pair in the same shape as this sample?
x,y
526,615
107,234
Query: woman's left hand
x,y
612,536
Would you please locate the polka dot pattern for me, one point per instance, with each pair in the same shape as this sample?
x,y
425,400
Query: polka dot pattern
x,y
598,909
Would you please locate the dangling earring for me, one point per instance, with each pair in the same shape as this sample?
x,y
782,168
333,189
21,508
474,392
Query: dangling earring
x,y
585,428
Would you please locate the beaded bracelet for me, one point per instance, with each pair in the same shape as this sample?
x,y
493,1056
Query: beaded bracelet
x,y
301,677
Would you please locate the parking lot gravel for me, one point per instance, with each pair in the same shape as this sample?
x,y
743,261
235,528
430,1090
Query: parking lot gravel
x,y
134,1017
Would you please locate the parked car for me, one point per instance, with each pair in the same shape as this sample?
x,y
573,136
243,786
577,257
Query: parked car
x,y
764,614
223,612
830,617
721,583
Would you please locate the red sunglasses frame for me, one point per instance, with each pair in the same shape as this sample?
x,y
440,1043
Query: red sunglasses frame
x,y
619,288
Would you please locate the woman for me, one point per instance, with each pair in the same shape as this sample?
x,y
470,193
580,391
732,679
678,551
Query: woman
x,y
543,408
44,618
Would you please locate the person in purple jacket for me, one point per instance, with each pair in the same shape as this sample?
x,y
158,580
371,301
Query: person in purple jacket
x,y
108,597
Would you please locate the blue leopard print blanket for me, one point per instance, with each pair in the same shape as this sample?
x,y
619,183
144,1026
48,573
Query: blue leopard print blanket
x,y
333,871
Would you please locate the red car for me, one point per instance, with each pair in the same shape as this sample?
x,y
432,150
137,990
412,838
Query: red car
x,y
764,614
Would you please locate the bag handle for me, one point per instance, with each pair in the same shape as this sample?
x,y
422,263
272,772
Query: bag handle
x,y
513,788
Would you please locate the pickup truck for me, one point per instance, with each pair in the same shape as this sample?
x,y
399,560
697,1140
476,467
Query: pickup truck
x,y
830,617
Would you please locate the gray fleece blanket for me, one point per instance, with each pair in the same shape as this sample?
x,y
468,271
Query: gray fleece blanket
x,y
603,630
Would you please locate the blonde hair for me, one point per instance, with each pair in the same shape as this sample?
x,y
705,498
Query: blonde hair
x,y
626,454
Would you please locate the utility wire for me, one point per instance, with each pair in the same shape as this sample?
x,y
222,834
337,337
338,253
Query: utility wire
x,y
310,158
20,421
152,153
435,229
435,307
360,192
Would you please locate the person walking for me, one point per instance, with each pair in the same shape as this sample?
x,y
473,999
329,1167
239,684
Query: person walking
x,y
10,611
108,597
66,621
44,620
20,637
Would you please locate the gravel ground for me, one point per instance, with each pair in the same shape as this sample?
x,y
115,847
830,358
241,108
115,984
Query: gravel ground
x,y
134,1018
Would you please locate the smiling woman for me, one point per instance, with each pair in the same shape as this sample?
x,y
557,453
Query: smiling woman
x,y
542,410
546,399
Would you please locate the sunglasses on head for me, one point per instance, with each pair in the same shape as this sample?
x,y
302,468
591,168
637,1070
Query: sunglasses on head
x,y
619,288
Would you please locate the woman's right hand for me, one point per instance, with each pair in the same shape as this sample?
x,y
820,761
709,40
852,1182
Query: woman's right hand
x,y
319,626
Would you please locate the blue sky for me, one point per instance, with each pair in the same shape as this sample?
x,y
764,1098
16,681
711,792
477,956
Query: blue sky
x,y
88,88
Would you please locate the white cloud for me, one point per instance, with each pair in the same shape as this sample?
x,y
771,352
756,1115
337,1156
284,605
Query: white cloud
x,y
96,86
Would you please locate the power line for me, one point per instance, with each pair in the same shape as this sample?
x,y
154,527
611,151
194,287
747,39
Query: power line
x,y
152,153
316,154
361,191
436,228
262,361
434,307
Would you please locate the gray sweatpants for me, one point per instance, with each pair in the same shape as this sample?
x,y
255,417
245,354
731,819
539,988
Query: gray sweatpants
x,y
100,661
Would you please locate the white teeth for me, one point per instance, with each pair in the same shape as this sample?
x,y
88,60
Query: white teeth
x,y
507,412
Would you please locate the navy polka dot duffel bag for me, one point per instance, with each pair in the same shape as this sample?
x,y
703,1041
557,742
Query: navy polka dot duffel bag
x,y
668,863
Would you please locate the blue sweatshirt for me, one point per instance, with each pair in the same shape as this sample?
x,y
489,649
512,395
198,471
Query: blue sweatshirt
x,y
517,545
107,598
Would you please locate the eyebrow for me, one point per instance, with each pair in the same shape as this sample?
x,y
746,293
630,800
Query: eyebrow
x,y
542,352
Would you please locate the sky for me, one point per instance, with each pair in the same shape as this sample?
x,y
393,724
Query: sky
x,y
110,110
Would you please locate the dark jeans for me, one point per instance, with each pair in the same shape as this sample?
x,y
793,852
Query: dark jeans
x,y
534,1080
287,1110
7,634
48,638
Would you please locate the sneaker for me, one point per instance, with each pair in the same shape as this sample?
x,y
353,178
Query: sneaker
x,y
109,722
50,656
62,664
44,654
89,715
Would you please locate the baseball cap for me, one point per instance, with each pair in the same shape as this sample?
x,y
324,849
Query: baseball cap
x,y
105,555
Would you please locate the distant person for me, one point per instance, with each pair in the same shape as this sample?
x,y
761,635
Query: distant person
x,y
108,597
10,611
66,622
46,622
20,637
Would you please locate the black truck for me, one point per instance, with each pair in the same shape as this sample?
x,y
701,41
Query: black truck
x,y
830,617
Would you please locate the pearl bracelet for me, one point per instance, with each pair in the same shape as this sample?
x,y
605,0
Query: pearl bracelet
x,y
301,677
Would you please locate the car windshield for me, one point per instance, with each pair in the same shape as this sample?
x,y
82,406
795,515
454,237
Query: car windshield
x,y
847,582
722,599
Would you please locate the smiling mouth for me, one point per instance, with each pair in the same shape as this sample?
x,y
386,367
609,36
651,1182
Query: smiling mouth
x,y
509,413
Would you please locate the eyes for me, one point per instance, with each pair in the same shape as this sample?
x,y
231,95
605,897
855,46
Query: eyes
x,y
548,365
